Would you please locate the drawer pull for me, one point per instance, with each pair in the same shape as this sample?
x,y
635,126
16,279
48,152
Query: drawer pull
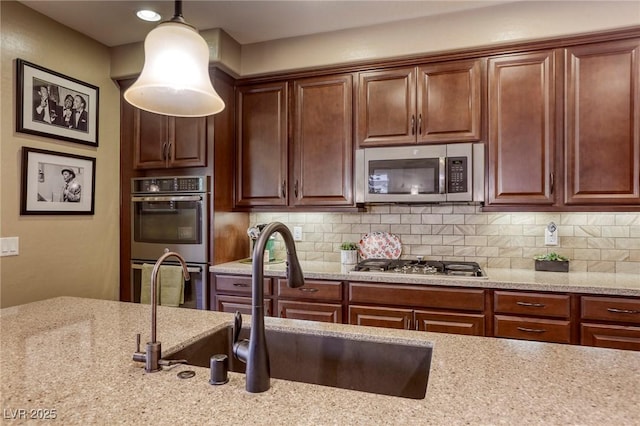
x,y
240,285
531,305
623,311
532,330
307,289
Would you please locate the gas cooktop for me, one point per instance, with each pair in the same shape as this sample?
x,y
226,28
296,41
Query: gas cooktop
x,y
421,267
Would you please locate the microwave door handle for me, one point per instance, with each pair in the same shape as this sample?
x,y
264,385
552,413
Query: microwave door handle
x,y
168,198
442,175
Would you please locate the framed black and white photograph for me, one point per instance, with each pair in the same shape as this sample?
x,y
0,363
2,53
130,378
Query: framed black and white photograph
x,y
53,105
56,183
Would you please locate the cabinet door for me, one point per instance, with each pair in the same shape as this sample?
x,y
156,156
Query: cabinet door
x,y
539,329
445,322
188,141
323,312
150,140
262,145
387,107
381,317
449,102
322,142
603,123
521,141
610,336
240,304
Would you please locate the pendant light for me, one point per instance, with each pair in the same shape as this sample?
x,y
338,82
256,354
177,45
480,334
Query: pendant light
x,y
175,77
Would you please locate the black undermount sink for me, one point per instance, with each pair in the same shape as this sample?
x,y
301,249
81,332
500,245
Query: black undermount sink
x,y
387,368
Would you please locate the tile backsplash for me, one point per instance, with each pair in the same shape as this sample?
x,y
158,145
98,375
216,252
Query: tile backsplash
x,y
595,242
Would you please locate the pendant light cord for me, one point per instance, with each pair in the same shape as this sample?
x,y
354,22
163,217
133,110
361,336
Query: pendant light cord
x,y
177,16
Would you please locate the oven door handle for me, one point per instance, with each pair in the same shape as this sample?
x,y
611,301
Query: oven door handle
x,y
189,268
167,198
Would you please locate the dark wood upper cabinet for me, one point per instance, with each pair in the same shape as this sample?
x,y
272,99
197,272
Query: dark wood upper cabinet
x,y
261,132
311,168
322,161
521,137
603,123
438,102
387,107
161,141
449,102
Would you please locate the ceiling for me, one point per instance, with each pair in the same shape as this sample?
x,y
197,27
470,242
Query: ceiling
x,y
114,23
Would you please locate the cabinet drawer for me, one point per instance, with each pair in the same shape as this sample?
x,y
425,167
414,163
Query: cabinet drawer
x,y
241,304
380,317
611,309
443,322
323,312
610,336
542,304
312,289
239,284
418,296
544,330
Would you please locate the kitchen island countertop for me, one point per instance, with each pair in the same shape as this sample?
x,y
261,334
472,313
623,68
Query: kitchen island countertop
x,y
506,279
72,356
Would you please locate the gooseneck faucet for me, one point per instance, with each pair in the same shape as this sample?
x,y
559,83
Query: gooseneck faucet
x,y
254,351
151,357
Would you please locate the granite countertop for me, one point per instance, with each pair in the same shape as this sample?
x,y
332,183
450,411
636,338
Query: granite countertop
x,y
72,356
507,279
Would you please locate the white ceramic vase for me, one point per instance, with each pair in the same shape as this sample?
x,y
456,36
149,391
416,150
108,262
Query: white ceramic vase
x,y
348,257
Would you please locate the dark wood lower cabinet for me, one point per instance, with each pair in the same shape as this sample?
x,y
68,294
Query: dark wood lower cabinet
x,y
610,336
323,312
240,304
555,317
381,317
538,329
444,322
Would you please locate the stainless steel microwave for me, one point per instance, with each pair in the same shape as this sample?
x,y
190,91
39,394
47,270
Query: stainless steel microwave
x,y
420,174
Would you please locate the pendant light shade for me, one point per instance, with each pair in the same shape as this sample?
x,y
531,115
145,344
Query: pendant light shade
x,y
175,77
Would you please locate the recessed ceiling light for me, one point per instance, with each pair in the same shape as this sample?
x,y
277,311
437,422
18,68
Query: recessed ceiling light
x,y
148,15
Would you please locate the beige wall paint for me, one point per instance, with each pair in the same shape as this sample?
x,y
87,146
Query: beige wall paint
x,y
479,27
59,255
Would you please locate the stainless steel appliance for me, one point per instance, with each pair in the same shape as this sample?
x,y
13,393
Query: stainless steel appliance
x,y
420,174
171,213
420,267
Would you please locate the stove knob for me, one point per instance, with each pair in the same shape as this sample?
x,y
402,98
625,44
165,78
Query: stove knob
x,y
420,258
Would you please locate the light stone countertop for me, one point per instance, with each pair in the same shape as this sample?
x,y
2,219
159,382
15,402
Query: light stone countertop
x,y
507,279
73,356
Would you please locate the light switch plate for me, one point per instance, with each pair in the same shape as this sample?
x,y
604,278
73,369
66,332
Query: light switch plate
x,y
9,246
297,233
551,235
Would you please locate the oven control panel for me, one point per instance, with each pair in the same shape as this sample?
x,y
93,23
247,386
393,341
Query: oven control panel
x,y
171,184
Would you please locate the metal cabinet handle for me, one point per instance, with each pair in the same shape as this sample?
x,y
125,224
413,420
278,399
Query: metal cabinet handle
x,y
532,330
553,182
295,189
420,124
623,311
413,124
532,305
284,189
307,289
240,285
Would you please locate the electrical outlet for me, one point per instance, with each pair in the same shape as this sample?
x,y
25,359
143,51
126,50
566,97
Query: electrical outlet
x,y
551,235
297,233
9,246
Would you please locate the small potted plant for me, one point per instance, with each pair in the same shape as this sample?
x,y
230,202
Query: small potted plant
x,y
348,253
552,262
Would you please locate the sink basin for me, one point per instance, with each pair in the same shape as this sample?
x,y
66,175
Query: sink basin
x,y
388,368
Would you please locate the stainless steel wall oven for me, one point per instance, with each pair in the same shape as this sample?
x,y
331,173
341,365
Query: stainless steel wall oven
x,y
171,213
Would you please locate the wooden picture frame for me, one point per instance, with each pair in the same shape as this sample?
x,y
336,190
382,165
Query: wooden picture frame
x,y
56,106
54,183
